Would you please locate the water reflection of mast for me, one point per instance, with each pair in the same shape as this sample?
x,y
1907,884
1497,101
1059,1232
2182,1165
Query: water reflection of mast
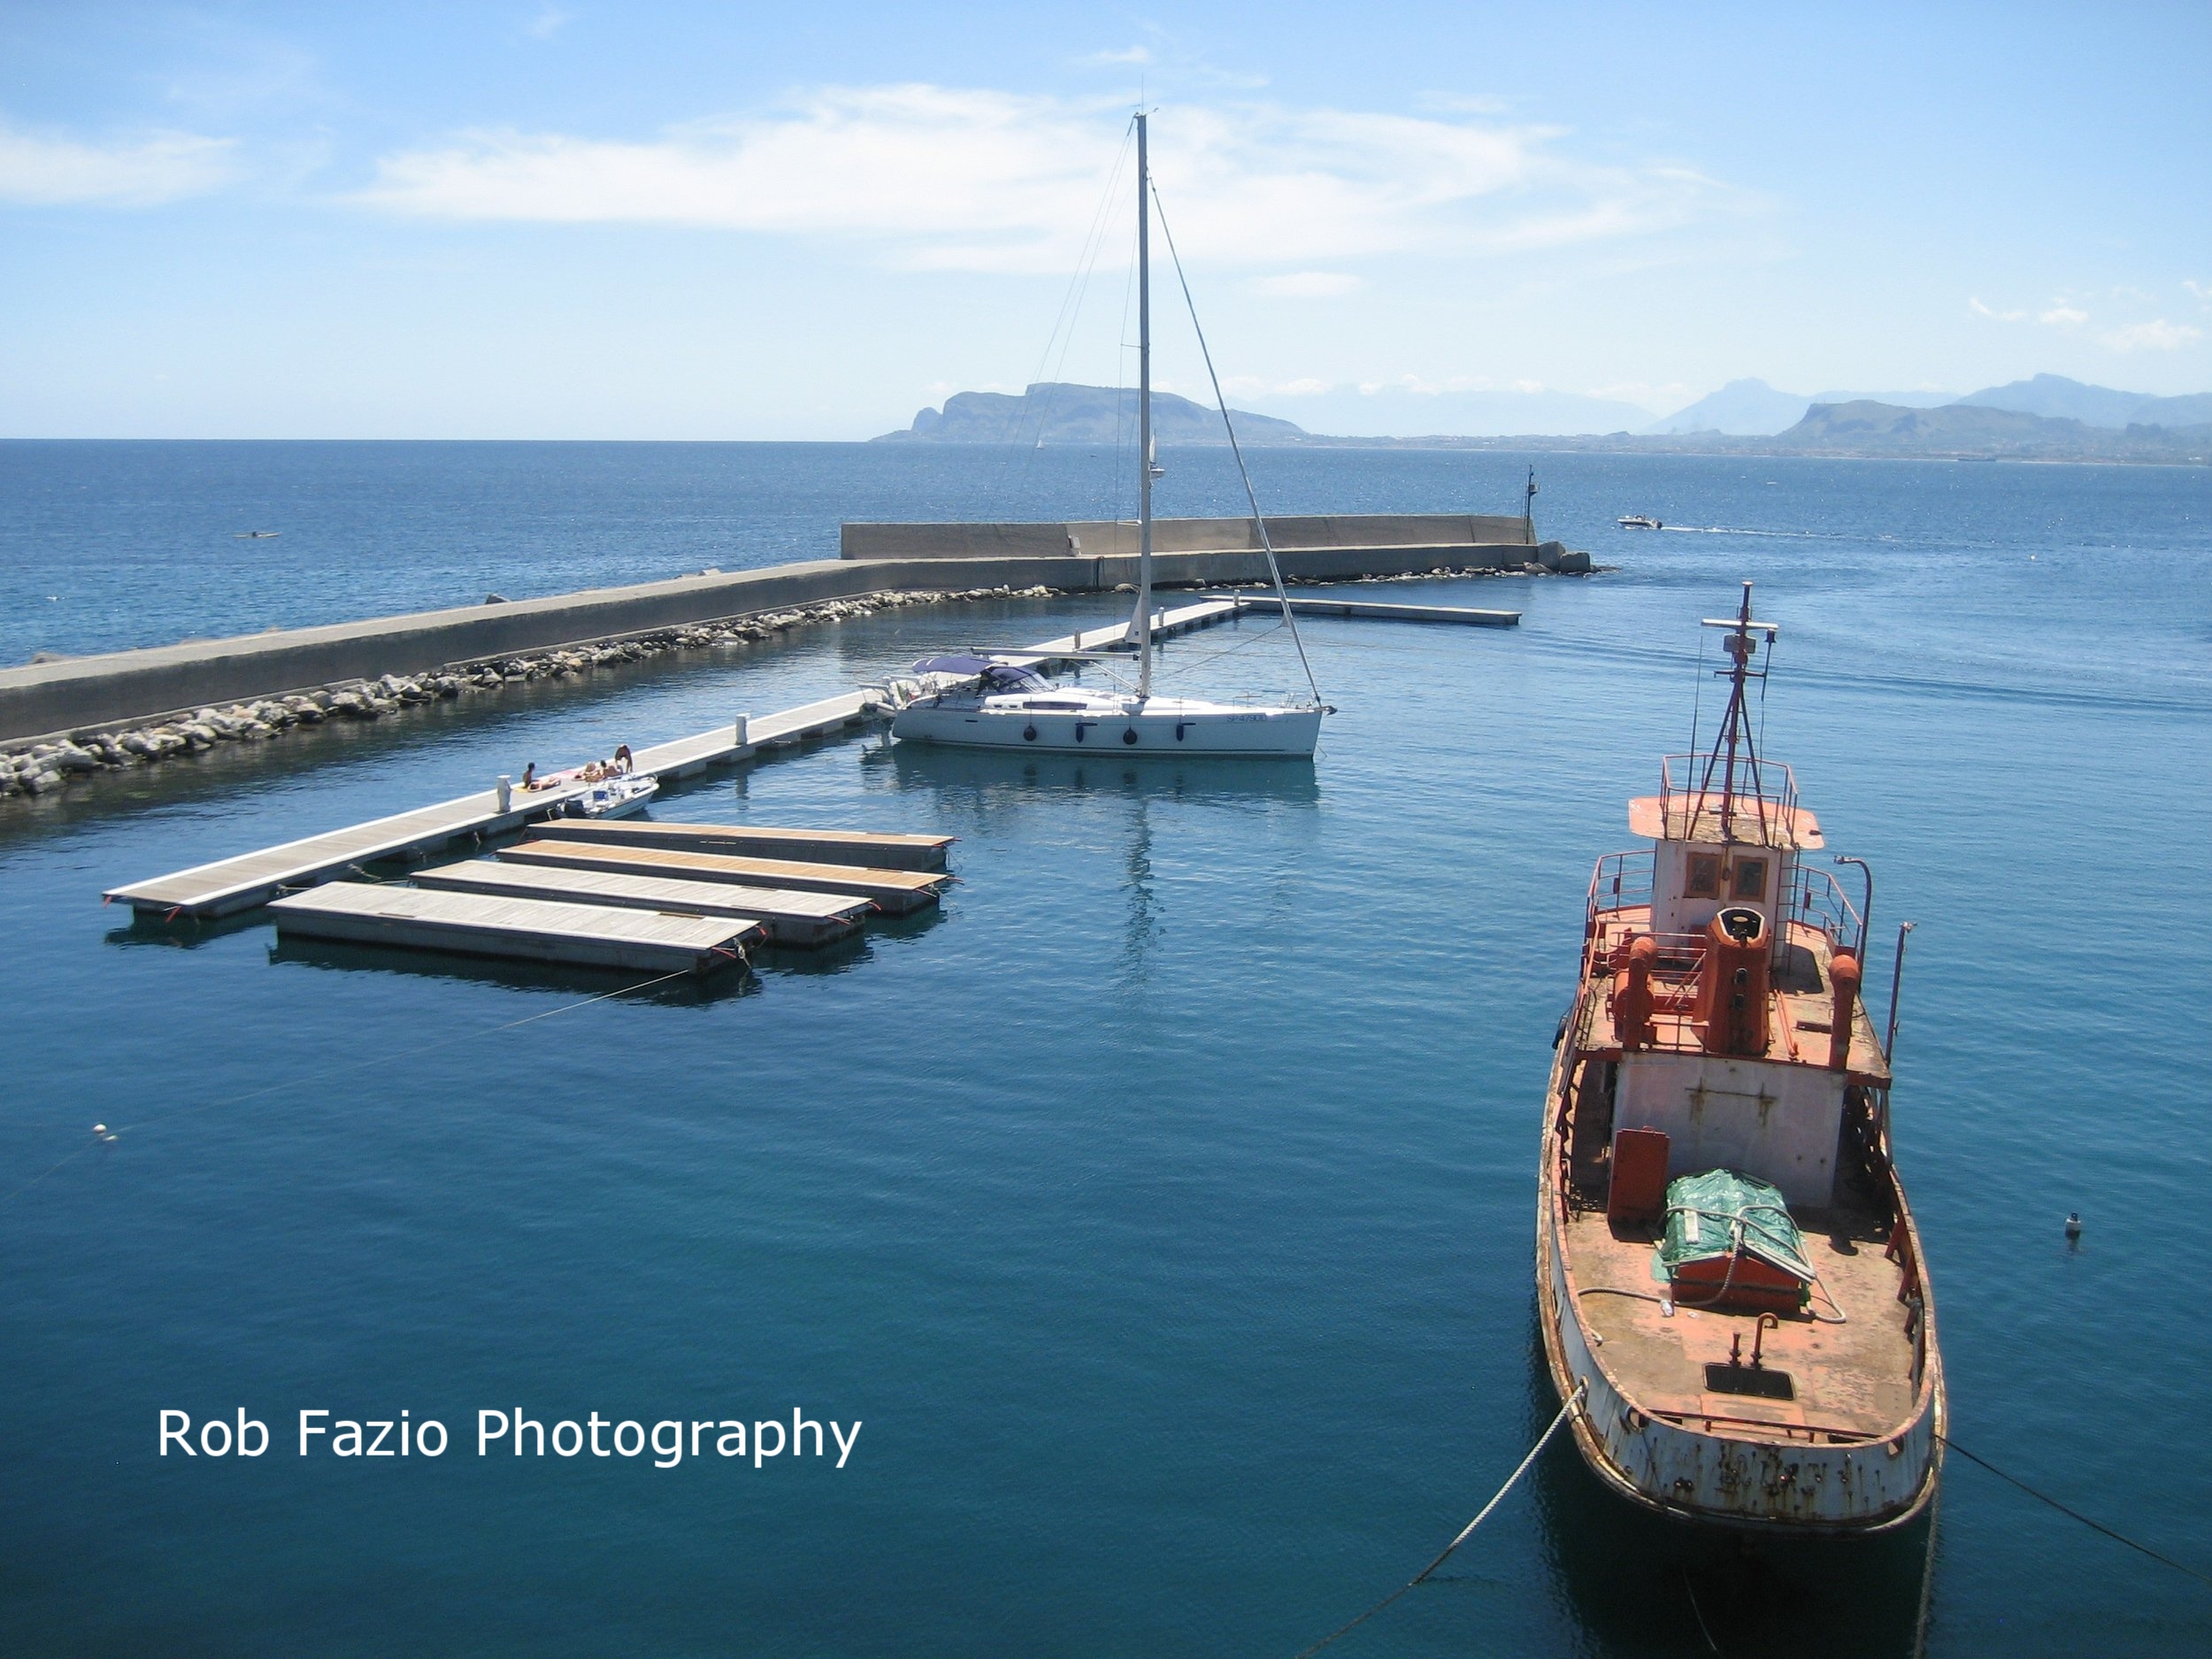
x,y
1144,906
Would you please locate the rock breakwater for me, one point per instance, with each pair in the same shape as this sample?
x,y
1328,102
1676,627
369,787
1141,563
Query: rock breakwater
x,y
39,769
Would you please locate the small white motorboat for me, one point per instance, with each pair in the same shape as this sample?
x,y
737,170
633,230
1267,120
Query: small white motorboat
x,y
1637,521
615,797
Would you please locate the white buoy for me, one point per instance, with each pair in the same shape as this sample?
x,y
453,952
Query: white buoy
x,y
99,1129
2073,1224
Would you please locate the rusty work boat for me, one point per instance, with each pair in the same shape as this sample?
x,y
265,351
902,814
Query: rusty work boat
x,y
1726,1268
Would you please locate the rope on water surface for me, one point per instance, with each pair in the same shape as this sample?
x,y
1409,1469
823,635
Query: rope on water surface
x,y
1573,1405
2094,1526
340,1070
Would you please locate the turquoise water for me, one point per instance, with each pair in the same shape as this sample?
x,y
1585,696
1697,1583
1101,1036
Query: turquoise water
x,y
1161,1207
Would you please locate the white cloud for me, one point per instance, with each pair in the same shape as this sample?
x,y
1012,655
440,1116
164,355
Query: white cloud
x,y
2203,290
1308,285
1254,386
954,178
1672,394
1112,59
2060,313
131,172
2159,335
548,23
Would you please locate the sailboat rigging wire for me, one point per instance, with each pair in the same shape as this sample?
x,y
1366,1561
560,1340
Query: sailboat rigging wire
x,y
1031,436
1259,521
1573,1405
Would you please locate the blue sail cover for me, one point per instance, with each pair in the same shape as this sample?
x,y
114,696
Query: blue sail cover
x,y
995,675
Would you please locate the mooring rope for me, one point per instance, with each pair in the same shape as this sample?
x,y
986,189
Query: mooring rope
x,y
1574,1404
2094,1526
339,1070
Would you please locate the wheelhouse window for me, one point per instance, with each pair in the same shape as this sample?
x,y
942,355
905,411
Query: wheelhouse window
x,y
1703,881
1751,878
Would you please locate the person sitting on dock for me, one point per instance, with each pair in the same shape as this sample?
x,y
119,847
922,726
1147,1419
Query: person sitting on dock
x,y
530,777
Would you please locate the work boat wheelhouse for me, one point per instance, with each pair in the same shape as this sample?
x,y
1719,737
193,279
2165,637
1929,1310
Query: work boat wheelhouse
x,y
1003,702
1728,1276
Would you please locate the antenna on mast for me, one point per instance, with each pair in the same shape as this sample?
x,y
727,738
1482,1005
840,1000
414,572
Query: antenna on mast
x,y
1735,722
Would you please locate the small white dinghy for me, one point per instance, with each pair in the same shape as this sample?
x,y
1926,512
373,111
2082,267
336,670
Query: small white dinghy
x,y
615,797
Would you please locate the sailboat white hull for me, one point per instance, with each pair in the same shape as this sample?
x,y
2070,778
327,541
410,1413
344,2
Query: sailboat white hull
x,y
1160,725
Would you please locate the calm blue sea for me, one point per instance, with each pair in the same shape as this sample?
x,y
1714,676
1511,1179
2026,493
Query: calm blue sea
x,y
1163,1207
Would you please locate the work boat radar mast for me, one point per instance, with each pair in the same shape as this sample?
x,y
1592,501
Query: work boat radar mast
x,y
1002,702
1736,746
1731,1286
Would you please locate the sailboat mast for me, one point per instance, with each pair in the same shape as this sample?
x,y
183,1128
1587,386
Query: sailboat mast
x,y
1142,622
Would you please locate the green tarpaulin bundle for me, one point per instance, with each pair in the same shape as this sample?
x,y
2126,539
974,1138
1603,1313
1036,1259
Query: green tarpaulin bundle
x,y
1720,1211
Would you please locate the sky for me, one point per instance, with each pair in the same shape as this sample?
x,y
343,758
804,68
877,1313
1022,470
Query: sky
x,y
729,221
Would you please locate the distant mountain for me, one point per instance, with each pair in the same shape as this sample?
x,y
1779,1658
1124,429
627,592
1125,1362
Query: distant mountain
x,y
1399,412
1752,408
1749,409
2056,397
1054,412
1865,428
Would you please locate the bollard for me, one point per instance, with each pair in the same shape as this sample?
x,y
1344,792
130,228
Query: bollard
x,y
506,793
743,722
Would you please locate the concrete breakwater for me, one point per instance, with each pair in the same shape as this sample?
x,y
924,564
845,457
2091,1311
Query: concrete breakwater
x,y
75,717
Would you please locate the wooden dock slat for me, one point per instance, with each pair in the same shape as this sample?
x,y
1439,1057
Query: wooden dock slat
x,y
589,935
871,847
788,916
896,891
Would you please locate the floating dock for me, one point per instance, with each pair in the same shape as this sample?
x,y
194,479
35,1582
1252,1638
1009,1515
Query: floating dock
x,y
591,935
1376,610
824,846
786,915
894,891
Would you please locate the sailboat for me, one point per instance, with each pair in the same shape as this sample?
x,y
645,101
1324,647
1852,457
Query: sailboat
x,y
1004,702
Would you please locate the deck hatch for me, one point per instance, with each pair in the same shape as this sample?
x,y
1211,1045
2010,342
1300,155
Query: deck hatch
x,y
1759,1382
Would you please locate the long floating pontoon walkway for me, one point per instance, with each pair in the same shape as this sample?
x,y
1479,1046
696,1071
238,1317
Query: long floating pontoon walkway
x,y
1376,611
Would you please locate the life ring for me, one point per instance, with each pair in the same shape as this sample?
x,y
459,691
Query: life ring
x,y
1029,734
1129,735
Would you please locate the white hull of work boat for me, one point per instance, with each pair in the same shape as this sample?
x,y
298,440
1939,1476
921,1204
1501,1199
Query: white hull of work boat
x,y
1124,726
